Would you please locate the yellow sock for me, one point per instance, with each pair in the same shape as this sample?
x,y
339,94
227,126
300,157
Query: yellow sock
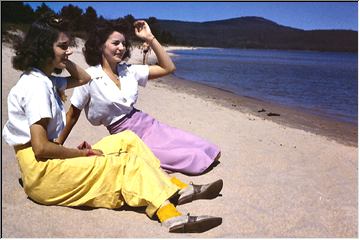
x,y
167,211
178,183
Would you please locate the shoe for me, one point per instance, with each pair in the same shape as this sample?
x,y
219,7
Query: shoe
x,y
194,192
192,224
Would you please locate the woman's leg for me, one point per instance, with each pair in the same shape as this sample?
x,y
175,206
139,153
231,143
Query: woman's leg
x,y
146,185
107,181
127,141
177,150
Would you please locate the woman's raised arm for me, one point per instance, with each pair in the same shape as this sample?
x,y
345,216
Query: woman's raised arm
x,y
78,75
166,65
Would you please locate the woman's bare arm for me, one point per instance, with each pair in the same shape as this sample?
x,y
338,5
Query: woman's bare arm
x,y
45,149
166,65
78,76
72,116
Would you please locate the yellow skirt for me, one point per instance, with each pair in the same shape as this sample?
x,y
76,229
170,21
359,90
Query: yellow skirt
x,y
127,173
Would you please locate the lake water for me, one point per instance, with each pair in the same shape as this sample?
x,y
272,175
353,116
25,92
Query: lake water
x,y
324,83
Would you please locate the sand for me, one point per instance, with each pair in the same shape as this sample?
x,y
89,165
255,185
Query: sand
x,y
294,175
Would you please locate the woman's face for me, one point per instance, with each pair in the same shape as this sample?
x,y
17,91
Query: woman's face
x,y
114,48
61,51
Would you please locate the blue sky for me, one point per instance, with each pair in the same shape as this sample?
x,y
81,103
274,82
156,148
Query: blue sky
x,y
303,15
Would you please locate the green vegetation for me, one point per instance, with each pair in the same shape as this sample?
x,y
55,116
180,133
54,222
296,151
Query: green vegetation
x,y
17,15
244,32
260,33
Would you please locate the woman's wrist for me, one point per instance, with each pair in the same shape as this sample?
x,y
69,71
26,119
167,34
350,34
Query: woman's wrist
x,y
150,40
87,152
83,152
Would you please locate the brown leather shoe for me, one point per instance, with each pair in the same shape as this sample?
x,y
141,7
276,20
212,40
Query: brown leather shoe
x,y
194,192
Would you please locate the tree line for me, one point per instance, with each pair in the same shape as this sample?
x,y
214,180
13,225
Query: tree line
x,y
242,32
22,15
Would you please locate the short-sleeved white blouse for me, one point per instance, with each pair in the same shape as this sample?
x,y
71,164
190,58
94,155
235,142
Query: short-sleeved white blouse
x,y
32,98
103,101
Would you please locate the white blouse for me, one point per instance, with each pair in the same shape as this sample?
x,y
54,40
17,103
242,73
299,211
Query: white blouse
x,y
32,98
102,99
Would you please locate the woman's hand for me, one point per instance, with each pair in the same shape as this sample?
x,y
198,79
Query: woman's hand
x,y
45,149
93,152
165,66
142,30
88,149
84,145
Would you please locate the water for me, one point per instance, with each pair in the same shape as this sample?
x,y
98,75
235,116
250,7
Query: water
x,y
323,83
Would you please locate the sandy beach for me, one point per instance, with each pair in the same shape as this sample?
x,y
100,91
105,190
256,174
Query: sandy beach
x,y
293,175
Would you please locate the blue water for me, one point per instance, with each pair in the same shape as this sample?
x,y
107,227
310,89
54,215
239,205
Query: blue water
x,y
323,83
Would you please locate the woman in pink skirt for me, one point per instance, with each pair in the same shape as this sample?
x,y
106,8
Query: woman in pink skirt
x,y
109,98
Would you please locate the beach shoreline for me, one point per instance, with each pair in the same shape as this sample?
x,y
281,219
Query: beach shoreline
x,y
341,131
281,177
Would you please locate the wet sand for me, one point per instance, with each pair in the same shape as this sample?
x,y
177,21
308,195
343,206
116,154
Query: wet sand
x,y
342,132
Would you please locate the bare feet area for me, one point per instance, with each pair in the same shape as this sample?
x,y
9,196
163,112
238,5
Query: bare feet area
x,y
293,175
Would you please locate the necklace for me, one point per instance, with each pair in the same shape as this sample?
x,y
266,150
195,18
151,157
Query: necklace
x,y
115,78
117,82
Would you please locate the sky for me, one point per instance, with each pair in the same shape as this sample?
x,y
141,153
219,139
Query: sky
x,y
302,15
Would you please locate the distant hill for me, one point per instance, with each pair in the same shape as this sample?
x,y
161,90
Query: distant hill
x,y
257,32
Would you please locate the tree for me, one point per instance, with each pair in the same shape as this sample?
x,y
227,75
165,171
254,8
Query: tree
x,y
154,26
129,19
101,19
16,12
166,37
73,14
42,9
89,19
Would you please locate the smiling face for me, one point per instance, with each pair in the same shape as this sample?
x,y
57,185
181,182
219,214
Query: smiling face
x,y
114,48
61,51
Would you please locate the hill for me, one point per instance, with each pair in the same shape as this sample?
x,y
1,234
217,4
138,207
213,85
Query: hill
x,y
257,32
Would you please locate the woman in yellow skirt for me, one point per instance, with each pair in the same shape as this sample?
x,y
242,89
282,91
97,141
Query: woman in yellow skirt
x,y
120,169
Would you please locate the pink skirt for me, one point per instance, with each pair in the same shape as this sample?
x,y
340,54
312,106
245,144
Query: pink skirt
x,y
177,150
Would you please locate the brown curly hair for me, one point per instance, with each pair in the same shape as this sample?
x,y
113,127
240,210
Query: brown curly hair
x,y
96,39
37,47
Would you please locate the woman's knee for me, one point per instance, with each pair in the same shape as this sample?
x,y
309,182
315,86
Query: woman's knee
x,y
127,135
130,134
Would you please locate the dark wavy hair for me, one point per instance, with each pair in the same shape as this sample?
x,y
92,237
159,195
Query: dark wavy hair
x,y
96,39
37,46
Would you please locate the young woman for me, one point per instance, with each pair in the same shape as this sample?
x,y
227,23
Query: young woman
x,y
109,98
122,171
